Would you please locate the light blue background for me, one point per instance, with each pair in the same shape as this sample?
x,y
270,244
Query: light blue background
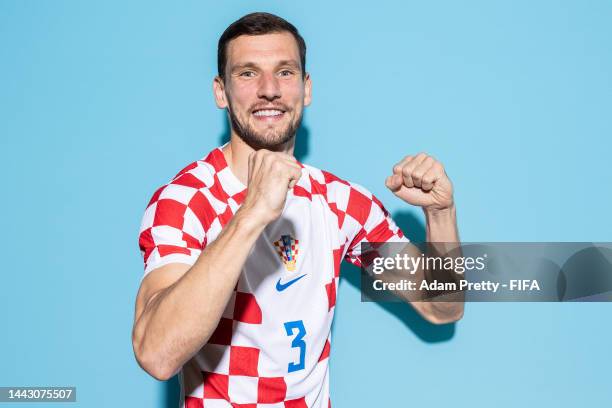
x,y
102,102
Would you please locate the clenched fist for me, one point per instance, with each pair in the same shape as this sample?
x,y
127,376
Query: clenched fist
x,y
271,175
421,180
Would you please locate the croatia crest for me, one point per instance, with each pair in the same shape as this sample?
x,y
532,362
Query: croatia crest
x,y
287,248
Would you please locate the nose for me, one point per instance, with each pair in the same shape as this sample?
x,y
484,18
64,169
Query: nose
x,y
269,88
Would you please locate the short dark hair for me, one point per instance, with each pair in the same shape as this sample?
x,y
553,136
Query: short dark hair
x,y
257,24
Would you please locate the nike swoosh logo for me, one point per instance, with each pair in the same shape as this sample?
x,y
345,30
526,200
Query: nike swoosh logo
x,y
282,286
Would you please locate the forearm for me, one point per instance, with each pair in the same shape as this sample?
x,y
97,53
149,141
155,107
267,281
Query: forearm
x,y
442,231
181,318
442,241
441,225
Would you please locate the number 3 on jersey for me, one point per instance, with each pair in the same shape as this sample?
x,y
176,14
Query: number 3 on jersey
x,y
297,342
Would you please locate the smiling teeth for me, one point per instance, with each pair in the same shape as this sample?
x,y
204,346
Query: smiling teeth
x,y
268,112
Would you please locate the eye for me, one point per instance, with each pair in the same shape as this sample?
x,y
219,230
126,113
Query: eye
x,y
247,74
286,72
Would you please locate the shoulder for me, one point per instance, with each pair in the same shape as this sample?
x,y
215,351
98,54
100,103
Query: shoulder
x,y
183,186
191,190
338,189
360,214
343,195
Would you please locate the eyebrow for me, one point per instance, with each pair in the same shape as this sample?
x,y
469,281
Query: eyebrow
x,y
291,63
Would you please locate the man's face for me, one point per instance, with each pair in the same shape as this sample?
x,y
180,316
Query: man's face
x,y
263,90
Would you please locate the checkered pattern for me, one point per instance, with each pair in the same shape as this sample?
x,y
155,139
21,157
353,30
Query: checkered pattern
x,y
288,249
241,389
244,363
180,215
361,219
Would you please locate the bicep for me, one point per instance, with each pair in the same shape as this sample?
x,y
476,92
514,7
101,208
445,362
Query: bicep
x,y
171,239
155,282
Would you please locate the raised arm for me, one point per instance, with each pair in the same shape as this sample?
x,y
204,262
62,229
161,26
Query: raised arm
x,y
422,181
179,306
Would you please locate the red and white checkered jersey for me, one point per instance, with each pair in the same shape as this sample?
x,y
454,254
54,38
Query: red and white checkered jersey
x,y
271,346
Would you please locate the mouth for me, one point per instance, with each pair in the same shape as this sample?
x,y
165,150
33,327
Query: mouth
x,y
268,114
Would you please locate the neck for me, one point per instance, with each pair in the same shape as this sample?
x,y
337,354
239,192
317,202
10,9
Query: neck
x,y
237,155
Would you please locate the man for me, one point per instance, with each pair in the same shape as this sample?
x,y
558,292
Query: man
x,y
242,249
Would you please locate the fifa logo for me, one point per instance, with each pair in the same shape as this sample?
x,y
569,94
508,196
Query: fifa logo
x,y
287,249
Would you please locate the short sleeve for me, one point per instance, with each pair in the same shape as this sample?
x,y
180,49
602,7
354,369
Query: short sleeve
x,y
170,230
374,224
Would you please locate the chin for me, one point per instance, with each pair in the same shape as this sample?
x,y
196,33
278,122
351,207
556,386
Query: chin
x,y
268,136
265,137
274,142
269,141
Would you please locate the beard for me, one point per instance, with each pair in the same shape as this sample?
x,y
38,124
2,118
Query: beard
x,y
271,139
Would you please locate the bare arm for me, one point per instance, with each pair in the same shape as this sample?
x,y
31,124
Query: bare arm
x,y
442,231
421,180
174,319
178,307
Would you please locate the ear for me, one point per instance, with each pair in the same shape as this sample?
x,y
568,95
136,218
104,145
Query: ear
x,y
219,92
307,90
